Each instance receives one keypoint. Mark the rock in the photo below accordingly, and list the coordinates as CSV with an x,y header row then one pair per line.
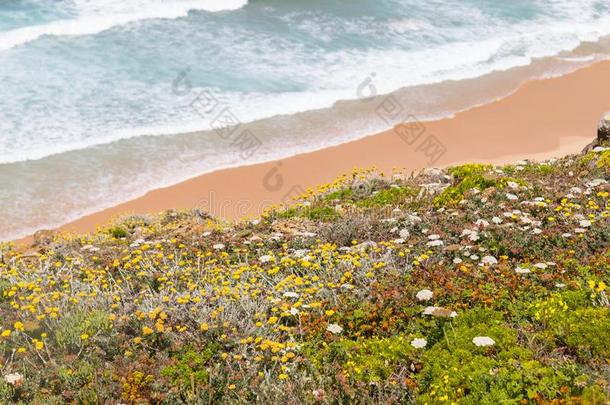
x,y
436,175
43,237
603,130
603,134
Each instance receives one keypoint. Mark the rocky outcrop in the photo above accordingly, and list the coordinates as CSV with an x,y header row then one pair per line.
x,y
603,131
44,237
603,134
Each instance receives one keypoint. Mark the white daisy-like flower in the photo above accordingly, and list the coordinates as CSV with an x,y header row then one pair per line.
x,y
522,270
434,237
430,310
489,260
13,378
424,295
560,285
541,265
255,221
219,246
334,328
566,235
511,197
294,311
457,260
513,185
496,220
584,223
536,231
483,341
265,258
472,235
436,242
291,294
206,233
404,233
482,223
580,230
419,343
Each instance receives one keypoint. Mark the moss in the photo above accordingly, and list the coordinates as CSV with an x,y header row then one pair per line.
x,y
389,196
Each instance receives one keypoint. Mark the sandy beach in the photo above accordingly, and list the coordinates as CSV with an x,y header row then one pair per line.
x,y
543,119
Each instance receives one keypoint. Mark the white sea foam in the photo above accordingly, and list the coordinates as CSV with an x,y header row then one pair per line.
x,y
458,61
100,15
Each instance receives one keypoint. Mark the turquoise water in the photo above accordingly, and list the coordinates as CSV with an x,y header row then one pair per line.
x,y
87,84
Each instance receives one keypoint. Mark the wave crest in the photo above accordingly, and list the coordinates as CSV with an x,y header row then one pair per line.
x,y
110,13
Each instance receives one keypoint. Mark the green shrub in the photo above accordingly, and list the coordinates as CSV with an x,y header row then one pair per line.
x,y
189,370
388,196
118,232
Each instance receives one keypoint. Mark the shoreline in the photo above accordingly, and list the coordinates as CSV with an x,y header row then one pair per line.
x,y
544,118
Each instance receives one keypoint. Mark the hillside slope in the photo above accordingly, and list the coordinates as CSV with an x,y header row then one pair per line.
x,y
477,284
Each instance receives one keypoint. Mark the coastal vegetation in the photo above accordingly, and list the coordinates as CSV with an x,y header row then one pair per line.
x,y
478,284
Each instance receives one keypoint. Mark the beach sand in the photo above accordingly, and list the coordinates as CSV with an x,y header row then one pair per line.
x,y
543,119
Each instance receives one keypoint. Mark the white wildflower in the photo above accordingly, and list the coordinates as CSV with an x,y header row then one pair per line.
x,y
435,242
334,328
13,378
541,266
483,341
576,190
424,295
430,310
522,270
419,343
489,260
291,294
482,223
585,223
404,233
511,197
457,260
265,258
496,220
219,246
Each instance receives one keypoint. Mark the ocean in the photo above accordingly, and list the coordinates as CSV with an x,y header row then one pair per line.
x,y
104,100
